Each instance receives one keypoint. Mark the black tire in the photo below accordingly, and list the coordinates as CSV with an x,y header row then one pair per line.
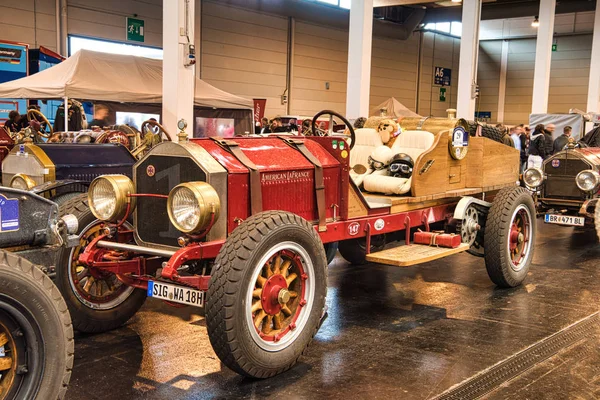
x,y
510,205
63,198
32,305
89,318
355,250
487,131
330,251
230,320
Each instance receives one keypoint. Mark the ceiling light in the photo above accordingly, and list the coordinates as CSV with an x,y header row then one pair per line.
x,y
536,22
457,1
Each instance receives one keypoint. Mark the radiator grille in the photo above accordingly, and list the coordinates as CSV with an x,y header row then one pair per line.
x,y
152,220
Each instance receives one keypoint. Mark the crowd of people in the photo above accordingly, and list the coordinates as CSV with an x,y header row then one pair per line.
x,y
535,146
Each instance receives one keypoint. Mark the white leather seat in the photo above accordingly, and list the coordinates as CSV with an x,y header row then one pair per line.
x,y
367,140
413,143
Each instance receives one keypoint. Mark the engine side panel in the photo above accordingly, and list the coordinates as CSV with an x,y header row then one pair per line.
x,y
287,178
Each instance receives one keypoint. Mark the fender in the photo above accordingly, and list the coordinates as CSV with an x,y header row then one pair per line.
x,y
464,203
46,187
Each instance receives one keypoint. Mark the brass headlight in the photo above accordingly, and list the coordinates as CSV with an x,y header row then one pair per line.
x,y
588,180
191,206
108,199
533,177
22,181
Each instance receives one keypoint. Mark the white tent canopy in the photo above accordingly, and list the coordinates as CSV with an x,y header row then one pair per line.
x,y
90,75
393,109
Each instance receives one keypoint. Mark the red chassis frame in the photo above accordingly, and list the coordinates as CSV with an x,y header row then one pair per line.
x,y
123,267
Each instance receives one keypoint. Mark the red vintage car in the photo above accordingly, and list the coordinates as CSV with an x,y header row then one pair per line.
x,y
239,227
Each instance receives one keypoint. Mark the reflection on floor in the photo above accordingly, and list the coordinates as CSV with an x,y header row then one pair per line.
x,y
409,333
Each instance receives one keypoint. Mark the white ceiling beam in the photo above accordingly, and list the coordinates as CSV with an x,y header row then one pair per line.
x,y
386,3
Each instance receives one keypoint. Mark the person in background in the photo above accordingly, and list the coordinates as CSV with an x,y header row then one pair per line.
x,y
515,135
293,126
537,147
360,123
526,132
549,133
100,116
13,124
277,126
506,139
561,141
264,126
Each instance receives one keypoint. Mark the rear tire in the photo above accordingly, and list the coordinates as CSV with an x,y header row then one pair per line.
x,y
331,251
267,293
355,252
91,314
32,305
510,236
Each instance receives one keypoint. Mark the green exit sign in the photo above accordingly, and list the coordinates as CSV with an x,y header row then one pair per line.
x,y
135,29
554,47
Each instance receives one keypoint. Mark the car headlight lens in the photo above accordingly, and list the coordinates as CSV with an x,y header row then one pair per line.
x,y
533,177
193,206
587,180
22,181
108,197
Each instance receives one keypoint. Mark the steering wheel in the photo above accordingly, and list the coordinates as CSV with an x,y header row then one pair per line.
x,y
44,123
329,132
147,127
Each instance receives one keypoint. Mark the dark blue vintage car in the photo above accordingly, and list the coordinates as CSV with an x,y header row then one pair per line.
x,y
61,171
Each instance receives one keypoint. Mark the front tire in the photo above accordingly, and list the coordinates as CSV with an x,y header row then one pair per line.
x,y
509,237
36,335
98,301
267,294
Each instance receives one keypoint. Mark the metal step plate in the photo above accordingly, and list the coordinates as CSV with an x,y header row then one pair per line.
x,y
412,254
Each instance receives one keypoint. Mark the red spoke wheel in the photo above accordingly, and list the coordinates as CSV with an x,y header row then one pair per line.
x,y
267,294
98,301
509,237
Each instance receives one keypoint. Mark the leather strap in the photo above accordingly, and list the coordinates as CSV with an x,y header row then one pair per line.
x,y
319,181
255,186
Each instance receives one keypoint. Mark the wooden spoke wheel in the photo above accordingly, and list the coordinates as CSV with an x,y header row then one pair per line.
x,y
95,288
97,300
46,129
267,293
278,296
36,335
8,357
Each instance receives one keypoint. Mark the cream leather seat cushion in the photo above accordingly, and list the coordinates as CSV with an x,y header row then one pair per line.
x,y
413,143
367,140
386,184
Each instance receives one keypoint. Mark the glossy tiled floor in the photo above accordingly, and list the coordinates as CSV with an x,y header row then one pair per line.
x,y
399,333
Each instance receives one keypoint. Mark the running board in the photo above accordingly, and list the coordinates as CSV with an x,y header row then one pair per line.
x,y
412,254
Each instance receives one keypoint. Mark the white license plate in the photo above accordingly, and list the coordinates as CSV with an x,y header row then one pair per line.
x,y
563,220
175,293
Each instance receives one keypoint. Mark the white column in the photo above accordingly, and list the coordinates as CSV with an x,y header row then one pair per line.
x,y
359,59
594,84
502,84
178,79
543,57
469,52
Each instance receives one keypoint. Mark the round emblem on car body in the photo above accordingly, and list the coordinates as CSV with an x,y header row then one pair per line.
x,y
150,170
555,163
353,228
379,224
